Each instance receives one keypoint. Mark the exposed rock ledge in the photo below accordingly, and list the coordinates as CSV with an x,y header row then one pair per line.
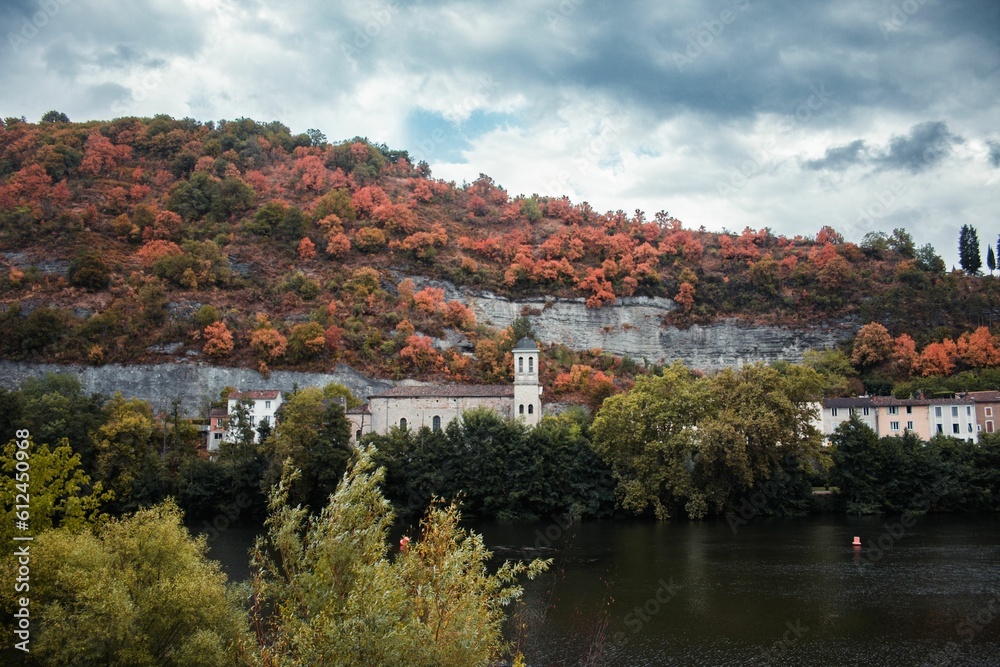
x,y
193,384
633,326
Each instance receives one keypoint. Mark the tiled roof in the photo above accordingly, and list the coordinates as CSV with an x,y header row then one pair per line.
x,y
449,391
218,412
985,396
889,401
256,395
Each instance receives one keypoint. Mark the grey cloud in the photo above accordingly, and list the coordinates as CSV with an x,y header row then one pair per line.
x,y
841,157
994,156
924,147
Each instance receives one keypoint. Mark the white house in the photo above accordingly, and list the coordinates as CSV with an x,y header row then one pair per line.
x,y
261,404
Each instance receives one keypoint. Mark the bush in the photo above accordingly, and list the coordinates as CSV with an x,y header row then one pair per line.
x,y
89,271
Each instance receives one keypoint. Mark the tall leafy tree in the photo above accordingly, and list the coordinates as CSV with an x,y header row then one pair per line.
x,y
314,433
327,592
969,257
676,441
140,591
991,260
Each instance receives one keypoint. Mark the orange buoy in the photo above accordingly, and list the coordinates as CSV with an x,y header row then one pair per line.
x,y
857,541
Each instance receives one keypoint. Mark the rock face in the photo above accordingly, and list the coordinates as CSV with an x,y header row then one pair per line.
x,y
193,384
632,327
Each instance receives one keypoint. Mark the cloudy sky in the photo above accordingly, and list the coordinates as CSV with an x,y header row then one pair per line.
x,y
788,114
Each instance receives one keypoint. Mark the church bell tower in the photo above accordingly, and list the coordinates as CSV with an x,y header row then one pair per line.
x,y
527,391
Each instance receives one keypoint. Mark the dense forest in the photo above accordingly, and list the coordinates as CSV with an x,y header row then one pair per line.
x,y
254,246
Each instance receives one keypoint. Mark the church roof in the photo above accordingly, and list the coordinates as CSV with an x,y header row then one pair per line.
x,y
449,391
526,344
254,395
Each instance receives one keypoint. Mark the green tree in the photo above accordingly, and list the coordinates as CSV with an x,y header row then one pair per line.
x,y
928,260
126,454
835,368
314,434
55,117
139,592
901,242
54,407
59,490
991,260
89,270
857,471
335,390
968,250
338,598
702,443
648,437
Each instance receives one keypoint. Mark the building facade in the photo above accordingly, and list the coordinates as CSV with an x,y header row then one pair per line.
x,y
434,406
925,418
261,407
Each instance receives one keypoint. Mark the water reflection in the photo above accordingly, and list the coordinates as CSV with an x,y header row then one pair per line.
x,y
778,592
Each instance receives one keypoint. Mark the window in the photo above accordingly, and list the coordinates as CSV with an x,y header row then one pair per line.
x,y
937,411
954,411
940,428
520,409
217,436
909,409
989,426
402,423
970,427
850,411
955,429
531,408
267,405
866,412
894,426
968,410
833,411
436,423
893,410
531,364
909,426
989,412
357,434
251,420
520,364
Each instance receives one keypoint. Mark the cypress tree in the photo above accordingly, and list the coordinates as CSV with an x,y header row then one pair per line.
x,y
991,260
968,250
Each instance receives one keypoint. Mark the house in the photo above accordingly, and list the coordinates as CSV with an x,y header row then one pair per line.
x,y
925,418
955,417
434,406
262,406
987,405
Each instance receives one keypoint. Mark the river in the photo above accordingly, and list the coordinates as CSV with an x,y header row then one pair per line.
x,y
781,592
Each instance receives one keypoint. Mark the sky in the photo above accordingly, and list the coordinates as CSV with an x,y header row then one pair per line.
x,y
788,114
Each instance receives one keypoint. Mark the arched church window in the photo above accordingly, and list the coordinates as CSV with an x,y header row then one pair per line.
x,y
531,364
520,409
402,423
520,364
531,409
436,423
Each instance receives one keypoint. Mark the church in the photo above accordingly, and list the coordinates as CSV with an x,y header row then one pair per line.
x,y
434,406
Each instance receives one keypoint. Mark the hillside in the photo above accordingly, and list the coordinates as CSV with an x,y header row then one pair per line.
x,y
141,240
